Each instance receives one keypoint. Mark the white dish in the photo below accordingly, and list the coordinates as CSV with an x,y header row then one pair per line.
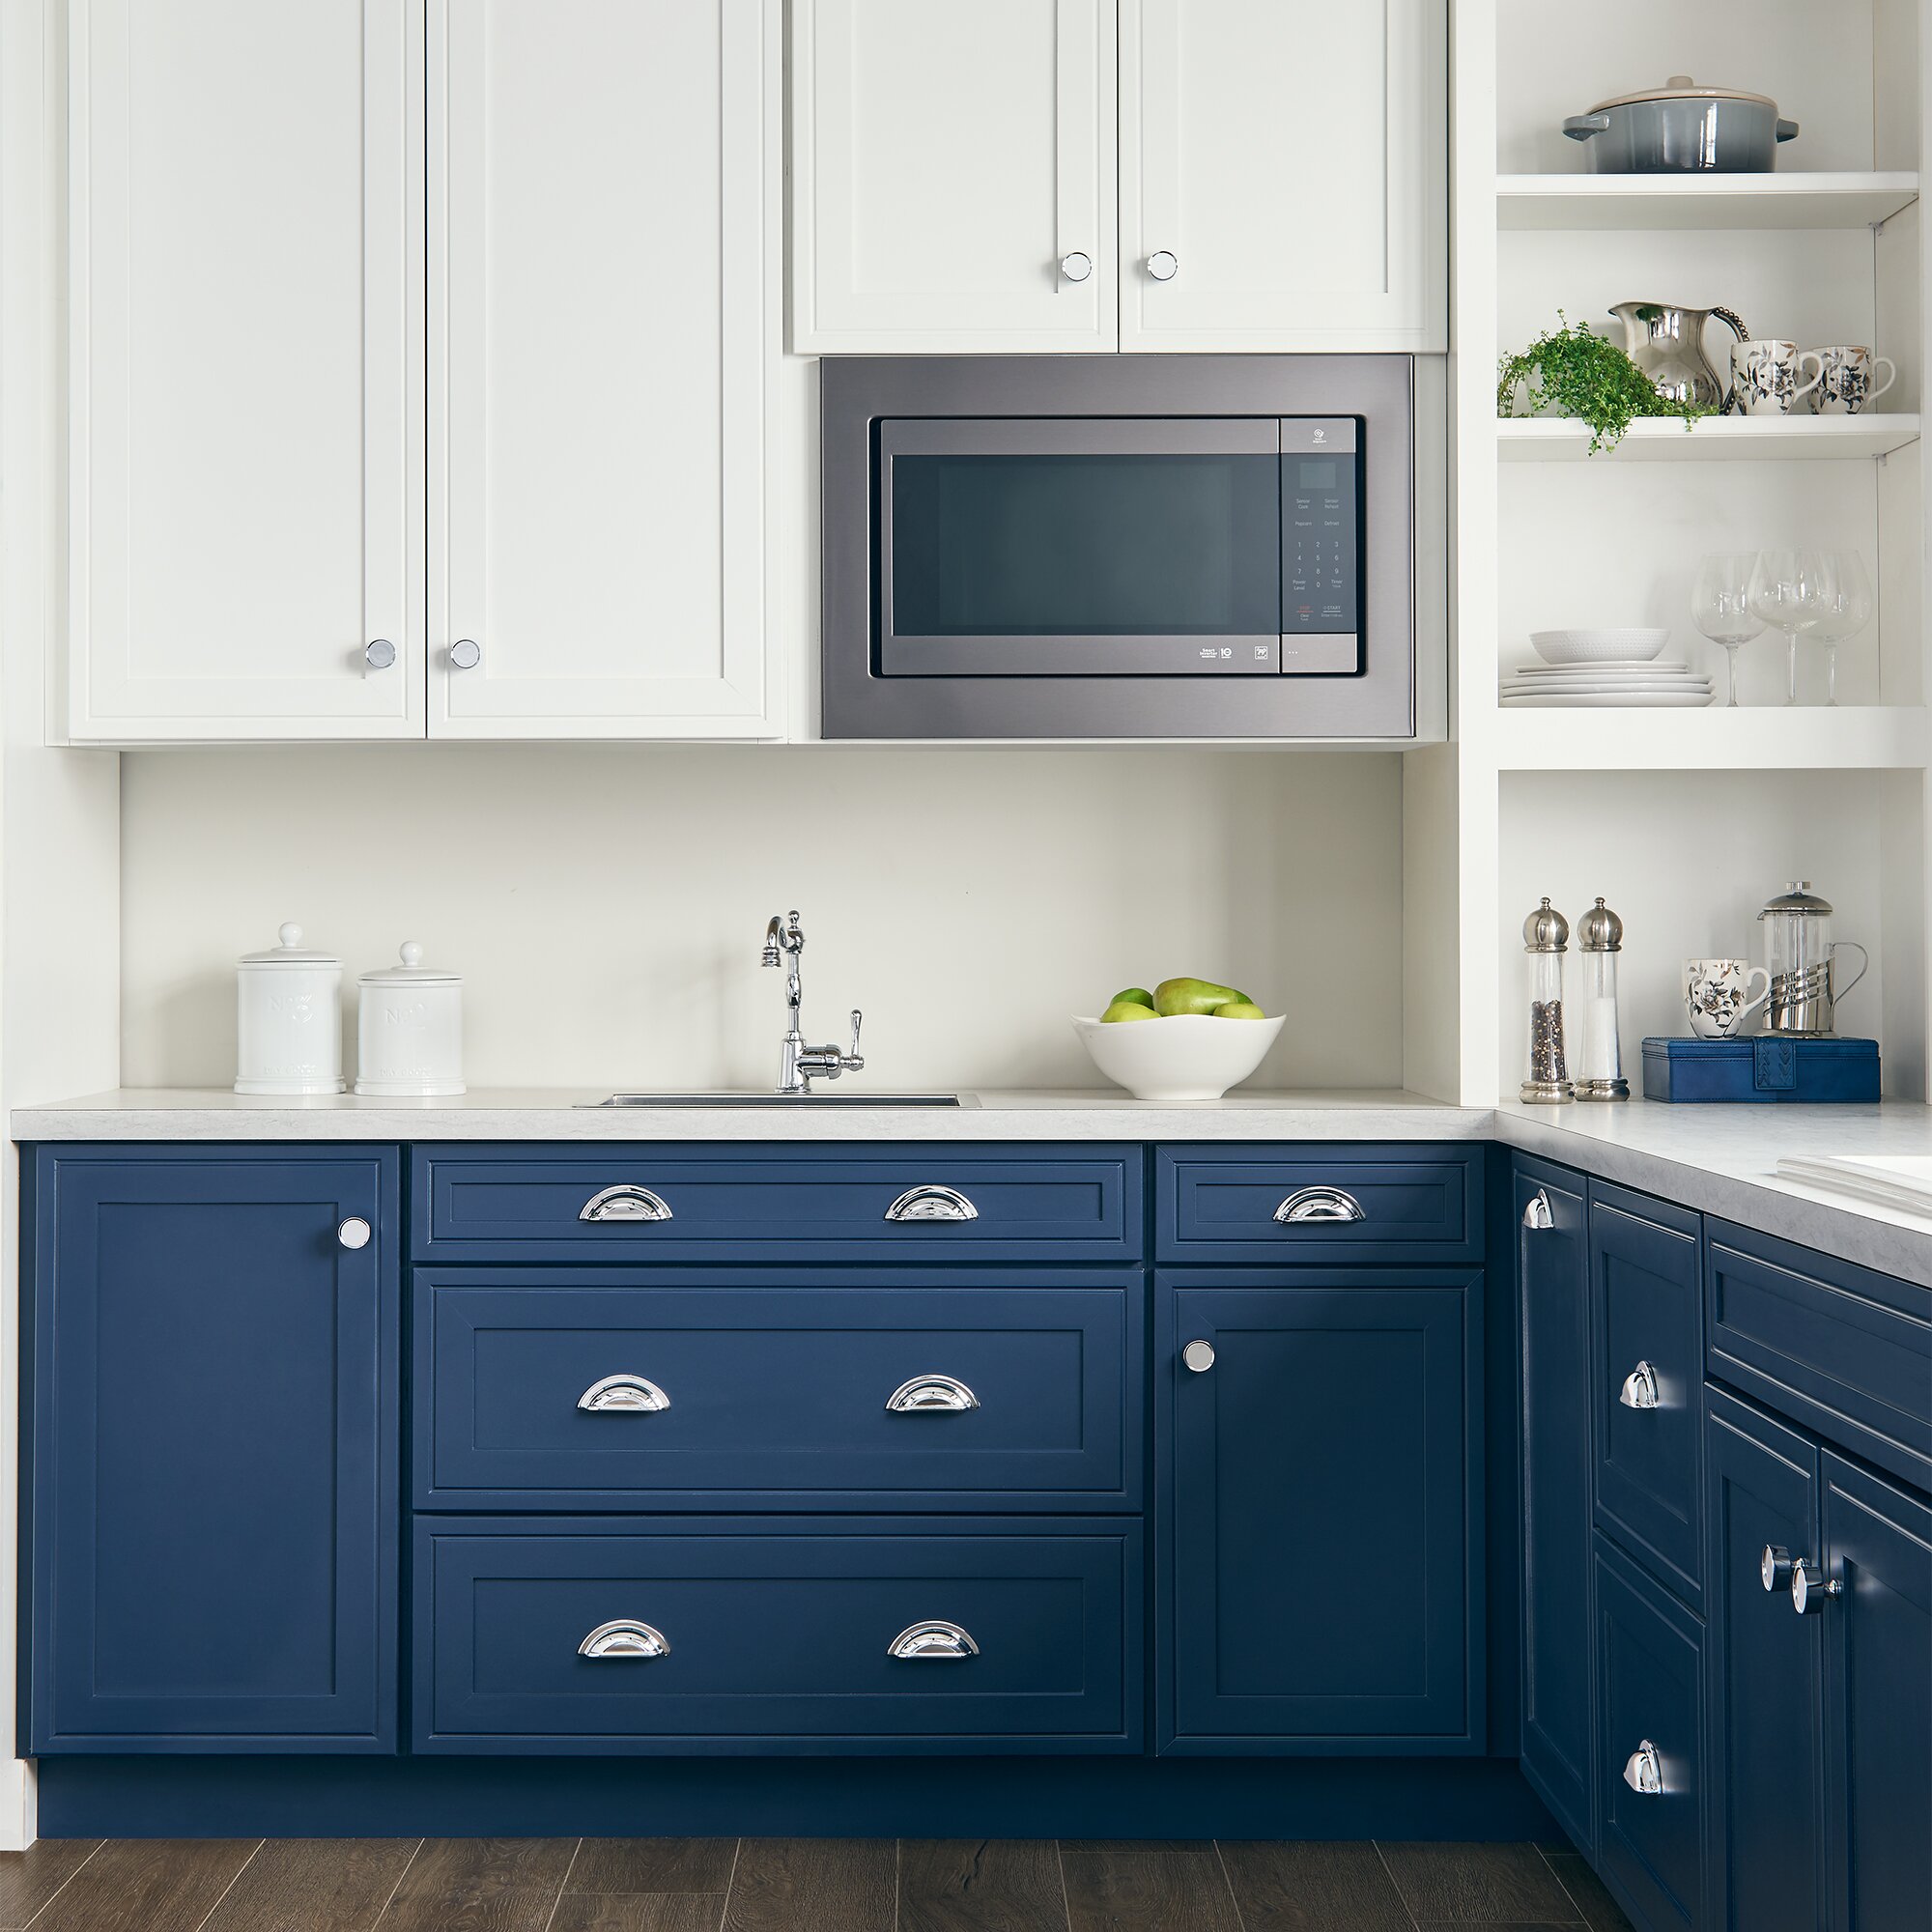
x,y
1631,645
1586,686
1564,673
1190,1057
1635,701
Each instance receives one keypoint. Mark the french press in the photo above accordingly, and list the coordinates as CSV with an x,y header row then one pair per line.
x,y
1799,952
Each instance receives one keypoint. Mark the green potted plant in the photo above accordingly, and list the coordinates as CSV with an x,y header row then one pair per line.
x,y
1571,372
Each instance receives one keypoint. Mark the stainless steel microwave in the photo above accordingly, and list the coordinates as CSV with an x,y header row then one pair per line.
x,y
1117,546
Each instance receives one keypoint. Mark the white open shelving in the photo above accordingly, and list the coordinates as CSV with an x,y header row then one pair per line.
x,y
1755,738
1711,440
1842,200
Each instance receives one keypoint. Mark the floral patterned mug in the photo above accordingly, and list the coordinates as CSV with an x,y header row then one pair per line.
x,y
1717,992
1767,375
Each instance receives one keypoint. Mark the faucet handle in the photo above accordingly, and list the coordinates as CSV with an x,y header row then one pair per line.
x,y
854,1060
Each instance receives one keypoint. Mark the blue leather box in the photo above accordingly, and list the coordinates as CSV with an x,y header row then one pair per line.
x,y
1768,1068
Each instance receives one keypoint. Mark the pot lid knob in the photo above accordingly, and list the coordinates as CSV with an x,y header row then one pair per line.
x,y
1798,897
411,954
1546,929
1682,80
1600,930
289,935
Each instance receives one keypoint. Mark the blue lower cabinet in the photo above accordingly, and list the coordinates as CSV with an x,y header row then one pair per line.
x,y
1650,1768
1877,1558
974,1389
772,1634
1550,1218
212,1412
1766,1675
1318,1460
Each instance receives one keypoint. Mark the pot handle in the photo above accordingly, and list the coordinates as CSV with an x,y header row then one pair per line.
x,y
1581,127
1787,129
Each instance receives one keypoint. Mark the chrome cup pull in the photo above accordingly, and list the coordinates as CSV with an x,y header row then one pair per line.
x,y
938,1640
1320,1204
1774,1567
624,1203
1811,1588
1537,1215
931,1202
624,1394
930,1392
1644,1770
1639,1389
626,1637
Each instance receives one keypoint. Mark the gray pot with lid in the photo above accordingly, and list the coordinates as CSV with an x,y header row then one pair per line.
x,y
1682,129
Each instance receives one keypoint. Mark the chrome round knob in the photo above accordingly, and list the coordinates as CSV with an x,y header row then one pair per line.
x,y
465,653
1163,266
1076,266
1810,1587
1198,1356
380,654
1774,1567
353,1233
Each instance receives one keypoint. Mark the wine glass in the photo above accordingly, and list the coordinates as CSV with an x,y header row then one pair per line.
x,y
1721,605
1843,609
1783,591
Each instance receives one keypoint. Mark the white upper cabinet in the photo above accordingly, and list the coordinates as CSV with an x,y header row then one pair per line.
x,y
953,175
602,303
244,369
1284,175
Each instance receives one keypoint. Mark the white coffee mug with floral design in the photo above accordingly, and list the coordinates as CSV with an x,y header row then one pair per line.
x,y
1845,380
1717,995
1765,376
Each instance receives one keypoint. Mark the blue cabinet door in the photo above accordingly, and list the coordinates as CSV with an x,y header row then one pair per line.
x,y
1319,1449
1554,1282
1765,1675
214,1427
1647,1382
1878,1701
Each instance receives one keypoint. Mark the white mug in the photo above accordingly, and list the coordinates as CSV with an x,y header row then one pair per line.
x,y
1765,375
1717,995
1845,380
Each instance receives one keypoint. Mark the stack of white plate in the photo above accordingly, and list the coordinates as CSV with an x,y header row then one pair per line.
x,y
1604,668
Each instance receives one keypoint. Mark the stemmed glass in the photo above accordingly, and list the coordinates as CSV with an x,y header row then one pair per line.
x,y
1783,591
1843,609
1721,605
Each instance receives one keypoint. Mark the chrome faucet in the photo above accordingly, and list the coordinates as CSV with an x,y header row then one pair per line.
x,y
796,1061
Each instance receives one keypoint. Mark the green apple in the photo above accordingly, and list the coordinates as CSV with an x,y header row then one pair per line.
x,y
1127,1009
1240,1010
1173,997
1132,996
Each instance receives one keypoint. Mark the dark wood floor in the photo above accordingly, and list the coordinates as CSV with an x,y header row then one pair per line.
x,y
792,1885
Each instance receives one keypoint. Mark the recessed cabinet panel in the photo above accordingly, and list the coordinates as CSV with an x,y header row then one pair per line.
x,y
601,301
246,364
1284,180
953,175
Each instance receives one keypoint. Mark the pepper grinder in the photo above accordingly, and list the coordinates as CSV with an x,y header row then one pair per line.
x,y
1545,938
1600,1067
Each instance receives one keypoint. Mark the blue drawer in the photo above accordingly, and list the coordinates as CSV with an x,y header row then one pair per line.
x,y
1284,1204
778,1635
767,1390
1842,1350
1647,1384
569,1204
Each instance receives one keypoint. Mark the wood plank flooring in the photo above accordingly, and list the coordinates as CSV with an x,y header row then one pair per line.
x,y
794,1885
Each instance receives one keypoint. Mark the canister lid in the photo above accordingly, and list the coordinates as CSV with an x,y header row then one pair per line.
x,y
289,953
411,972
1681,87
1600,930
1545,931
1798,897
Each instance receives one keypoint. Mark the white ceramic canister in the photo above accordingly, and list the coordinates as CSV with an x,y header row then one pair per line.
x,y
288,1019
409,1032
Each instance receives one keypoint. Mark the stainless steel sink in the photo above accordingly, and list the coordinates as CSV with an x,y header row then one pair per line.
x,y
741,1098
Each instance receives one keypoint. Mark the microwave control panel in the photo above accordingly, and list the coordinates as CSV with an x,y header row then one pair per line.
x,y
1320,545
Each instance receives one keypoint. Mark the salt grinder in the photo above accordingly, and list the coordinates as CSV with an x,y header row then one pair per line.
x,y
1600,1067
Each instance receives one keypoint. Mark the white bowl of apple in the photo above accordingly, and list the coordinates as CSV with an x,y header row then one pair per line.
x,y
1188,1039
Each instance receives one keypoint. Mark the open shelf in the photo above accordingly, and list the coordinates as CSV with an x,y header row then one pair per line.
x,y
1711,440
1702,201
1874,737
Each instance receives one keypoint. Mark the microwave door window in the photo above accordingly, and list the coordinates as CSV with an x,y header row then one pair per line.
x,y
1061,564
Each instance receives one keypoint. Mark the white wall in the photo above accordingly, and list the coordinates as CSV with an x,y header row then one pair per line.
x,y
607,904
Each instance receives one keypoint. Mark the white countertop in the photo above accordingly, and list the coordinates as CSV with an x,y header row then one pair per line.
x,y
1720,1160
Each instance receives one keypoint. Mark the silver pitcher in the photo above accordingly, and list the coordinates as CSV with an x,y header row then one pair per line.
x,y
1668,344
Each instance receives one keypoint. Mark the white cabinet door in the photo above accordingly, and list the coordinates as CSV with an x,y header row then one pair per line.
x,y
244,369
953,175
602,299
1284,168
